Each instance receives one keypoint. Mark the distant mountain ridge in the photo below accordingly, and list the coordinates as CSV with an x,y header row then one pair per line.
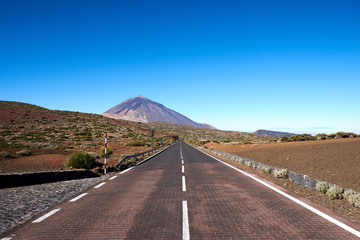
x,y
269,133
144,110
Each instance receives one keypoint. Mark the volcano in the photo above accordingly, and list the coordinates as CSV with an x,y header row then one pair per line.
x,y
144,110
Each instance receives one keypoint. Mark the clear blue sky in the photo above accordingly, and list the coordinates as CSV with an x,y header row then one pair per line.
x,y
237,65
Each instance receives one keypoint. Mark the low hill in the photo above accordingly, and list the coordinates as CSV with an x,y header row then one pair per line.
x,y
269,133
201,135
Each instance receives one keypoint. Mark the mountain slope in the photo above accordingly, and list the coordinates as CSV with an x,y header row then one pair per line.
x,y
144,110
24,125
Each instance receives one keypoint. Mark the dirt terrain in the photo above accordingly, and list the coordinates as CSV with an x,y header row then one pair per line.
x,y
51,159
335,161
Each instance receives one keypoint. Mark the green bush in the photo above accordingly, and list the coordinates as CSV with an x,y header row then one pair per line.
x,y
322,187
332,136
81,160
321,136
3,143
335,192
302,137
345,134
281,173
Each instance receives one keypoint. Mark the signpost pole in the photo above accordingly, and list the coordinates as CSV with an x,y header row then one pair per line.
x,y
105,153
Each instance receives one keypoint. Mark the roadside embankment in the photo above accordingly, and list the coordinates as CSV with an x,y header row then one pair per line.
x,y
19,204
26,179
345,203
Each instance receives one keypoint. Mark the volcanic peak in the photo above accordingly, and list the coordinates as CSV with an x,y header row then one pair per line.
x,y
142,109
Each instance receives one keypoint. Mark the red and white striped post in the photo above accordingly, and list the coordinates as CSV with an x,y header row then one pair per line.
x,y
105,152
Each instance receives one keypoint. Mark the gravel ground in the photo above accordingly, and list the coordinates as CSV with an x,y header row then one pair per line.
x,y
22,203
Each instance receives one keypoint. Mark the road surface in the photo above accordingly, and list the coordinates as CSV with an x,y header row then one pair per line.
x,y
181,193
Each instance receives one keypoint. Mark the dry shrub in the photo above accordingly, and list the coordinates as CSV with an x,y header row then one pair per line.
x,y
348,193
355,200
281,173
335,192
322,187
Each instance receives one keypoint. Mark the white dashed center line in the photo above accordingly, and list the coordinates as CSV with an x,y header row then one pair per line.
x,y
182,169
183,184
186,231
78,197
46,215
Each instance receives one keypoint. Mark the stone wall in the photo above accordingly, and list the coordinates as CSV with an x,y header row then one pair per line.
x,y
26,179
297,178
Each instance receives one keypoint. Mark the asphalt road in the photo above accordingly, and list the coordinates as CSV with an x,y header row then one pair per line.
x,y
180,194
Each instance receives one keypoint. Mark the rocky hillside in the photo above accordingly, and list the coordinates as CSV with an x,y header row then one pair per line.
x,y
142,109
25,125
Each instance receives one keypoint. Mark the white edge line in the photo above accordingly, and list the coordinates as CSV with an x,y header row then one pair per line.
x,y
186,231
99,185
8,238
314,210
46,215
78,197
183,184
112,178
